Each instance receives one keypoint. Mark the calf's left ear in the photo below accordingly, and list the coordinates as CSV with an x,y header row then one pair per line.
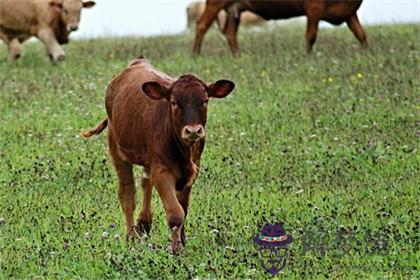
x,y
155,90
88,4
220,88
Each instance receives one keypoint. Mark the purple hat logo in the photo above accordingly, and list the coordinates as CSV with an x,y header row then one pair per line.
x,y
273,241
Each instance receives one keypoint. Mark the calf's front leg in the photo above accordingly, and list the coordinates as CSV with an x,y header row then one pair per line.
x,y
165,185
54,49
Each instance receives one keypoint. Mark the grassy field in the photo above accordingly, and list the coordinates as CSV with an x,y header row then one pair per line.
x,y
328,144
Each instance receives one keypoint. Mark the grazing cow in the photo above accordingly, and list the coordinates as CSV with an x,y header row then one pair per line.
x,y
51,21
157,122
332,11
196,9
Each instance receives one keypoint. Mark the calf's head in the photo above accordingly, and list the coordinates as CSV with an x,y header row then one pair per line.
x,y
70,11
187,98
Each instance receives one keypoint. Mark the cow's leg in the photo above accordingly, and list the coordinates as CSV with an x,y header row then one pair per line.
x,y
165,185
314,16
54,49
14,49
4,38
184,198
144,223
221,20
231,30
357,29
8,41
210,13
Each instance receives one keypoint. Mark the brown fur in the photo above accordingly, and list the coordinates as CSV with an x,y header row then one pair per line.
x,y
148,112
332,11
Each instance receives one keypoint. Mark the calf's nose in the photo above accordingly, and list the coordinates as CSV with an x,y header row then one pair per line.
x,y
193,132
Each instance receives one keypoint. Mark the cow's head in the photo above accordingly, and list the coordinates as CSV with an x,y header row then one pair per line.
x,y
70,11
187,98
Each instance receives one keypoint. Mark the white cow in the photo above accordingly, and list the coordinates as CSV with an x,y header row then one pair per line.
x,y
51,21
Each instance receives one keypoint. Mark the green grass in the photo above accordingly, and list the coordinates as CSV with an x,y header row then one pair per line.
x,y
328,144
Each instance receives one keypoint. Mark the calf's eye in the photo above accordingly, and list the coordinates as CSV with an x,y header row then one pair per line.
x,y
173,103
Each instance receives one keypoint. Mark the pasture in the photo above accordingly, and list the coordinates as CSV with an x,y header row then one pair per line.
x,y
328,144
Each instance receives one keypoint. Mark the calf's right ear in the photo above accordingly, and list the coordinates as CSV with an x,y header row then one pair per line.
x,y
220,89
155,90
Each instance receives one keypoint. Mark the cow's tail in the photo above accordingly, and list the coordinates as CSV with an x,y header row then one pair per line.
x,y
97,130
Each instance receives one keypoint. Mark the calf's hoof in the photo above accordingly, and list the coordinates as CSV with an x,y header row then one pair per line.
x,y
133,235
184,237
144,227
176,247
177,244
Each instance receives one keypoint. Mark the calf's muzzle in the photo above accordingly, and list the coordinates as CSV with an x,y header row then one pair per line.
x,y
192,133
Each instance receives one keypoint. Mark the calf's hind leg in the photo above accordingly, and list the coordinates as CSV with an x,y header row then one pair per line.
x,y
126,188
184,198
357,29
144,223
126,195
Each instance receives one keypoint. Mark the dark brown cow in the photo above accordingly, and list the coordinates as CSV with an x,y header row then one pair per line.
x,y
157,122
332,11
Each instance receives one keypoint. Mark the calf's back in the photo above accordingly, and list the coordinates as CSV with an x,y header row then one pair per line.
x,y
135,120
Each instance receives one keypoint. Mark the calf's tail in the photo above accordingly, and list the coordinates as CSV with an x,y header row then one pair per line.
x,y
97,130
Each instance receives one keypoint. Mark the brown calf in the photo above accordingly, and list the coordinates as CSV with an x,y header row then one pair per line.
x,y
332,11
157,122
